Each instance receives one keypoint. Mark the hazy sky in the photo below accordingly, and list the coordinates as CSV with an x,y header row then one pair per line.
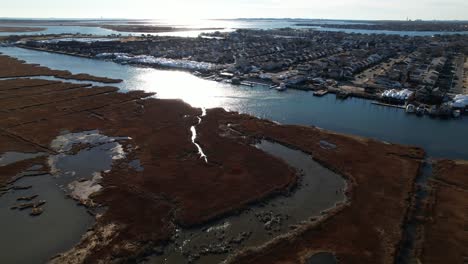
x,y
192,9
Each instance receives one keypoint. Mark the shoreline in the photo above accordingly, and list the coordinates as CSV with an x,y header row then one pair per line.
x,y
256,167
443,212
331,90
262,254
342,92
152,29
397,26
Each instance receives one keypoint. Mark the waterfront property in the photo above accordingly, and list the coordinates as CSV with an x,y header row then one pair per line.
x,y
353,116
367,66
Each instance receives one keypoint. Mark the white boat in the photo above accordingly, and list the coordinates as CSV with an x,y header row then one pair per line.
x,y
247,84
456,113
281,87
410,109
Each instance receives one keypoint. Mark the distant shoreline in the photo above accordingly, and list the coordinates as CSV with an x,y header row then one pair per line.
x,y
397,26
151,29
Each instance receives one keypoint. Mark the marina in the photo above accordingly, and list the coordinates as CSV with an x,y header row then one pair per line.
x,y
320,93
410,71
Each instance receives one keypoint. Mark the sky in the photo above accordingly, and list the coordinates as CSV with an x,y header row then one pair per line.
x,y
196,9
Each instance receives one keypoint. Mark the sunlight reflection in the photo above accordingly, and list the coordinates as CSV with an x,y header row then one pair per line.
x,y
182,85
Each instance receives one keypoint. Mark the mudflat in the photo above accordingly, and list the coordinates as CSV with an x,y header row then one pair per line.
x,y
12,67
176,187
445,230
368,228
21,29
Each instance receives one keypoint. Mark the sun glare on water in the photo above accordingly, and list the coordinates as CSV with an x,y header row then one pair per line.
x,y
182,85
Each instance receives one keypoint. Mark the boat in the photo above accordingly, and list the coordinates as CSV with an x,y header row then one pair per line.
x,y
445,111
433,111
236,81
456,113
410,109
281,87
342,95
247,84
320,92
420,110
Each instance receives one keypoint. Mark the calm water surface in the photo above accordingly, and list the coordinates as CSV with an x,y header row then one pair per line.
x,y
440,138
25,239
228,25
63,222
322,258
62,30
390,32
319,189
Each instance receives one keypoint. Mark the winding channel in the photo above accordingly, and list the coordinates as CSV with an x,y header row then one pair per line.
x,y
194,136
318,190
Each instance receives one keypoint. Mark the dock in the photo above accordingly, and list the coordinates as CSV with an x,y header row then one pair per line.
x,y
343,95
389,105
320,93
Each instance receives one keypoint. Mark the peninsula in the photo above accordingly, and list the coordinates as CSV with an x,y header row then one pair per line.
x,y
21,29
151,29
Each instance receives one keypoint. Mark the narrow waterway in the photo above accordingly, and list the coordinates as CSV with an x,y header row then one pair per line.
x,y
193,129
322,258
318,189
413,225
12,157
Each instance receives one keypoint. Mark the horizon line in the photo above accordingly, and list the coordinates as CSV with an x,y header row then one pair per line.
x,y
236,18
